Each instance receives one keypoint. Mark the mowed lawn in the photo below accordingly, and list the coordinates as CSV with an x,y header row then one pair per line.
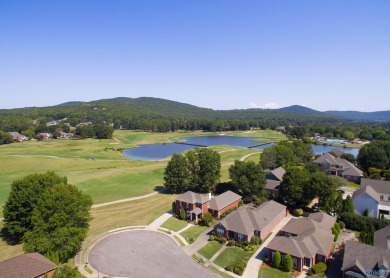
x,y
232,256
192,233
210,249
266,272
174,224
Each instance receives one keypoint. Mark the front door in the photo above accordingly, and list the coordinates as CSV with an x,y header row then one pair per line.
x,y
307,262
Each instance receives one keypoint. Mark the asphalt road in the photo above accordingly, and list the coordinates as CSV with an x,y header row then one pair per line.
x,y
143,254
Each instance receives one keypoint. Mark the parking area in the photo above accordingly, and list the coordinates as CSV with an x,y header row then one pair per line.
x,y
143,254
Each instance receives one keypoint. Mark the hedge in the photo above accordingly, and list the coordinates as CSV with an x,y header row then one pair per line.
x,y
319,268
362,223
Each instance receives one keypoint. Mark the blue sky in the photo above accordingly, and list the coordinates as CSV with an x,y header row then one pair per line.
x,y
219,54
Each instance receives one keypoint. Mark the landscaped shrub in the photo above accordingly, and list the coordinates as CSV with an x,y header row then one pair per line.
x,y
207,219
183,214
319,268
230,267
337,227
211,238
342,225
299,212
256,240
220,239
288,263
174,208
240,268
277,259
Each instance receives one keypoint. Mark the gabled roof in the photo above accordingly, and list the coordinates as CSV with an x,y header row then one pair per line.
x,y
222,201
193,198
336,152
326,158
279,173
246,220
365,257
26,265
313,236
374,188
271,184
382,238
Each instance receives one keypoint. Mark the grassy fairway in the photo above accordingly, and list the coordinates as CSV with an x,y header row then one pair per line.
x,y
135,213
111,175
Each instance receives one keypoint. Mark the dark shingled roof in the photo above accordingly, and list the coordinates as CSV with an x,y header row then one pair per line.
x,y
222,201
348,168
26,266
246,220
193,198
279,173
313,236
271,184
382,238
365,257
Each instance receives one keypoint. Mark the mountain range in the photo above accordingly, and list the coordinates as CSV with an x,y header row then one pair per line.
x,y
156,107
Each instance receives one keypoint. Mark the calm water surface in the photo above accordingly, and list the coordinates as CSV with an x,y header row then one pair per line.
x,y
161,151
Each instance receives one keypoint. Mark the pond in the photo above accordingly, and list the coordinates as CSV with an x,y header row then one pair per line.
x,y
161,151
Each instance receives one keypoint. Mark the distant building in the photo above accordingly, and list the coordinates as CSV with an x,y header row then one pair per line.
x,y
31,265
17,137
66,135
45,135
373,195
274,179
337,166
52,123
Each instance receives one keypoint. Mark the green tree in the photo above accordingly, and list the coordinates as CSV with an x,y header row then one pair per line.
x,y
348,205
60,222
288,263
55,274
366,212
320,185
207,219
277,259
248,180
372,155
45,276
293,187
23,198
348,156
103,131
176,176
183,214
5,138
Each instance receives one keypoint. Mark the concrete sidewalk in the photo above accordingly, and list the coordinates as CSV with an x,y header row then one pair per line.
x,y
253,266
159,221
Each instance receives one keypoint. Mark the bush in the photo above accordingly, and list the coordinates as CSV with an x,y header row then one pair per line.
x,y
183,214
342,225
256,240
299,212
319,268
277,259
240,268
360,223
174,208
229,267
211,238
337,227
207,219
288,263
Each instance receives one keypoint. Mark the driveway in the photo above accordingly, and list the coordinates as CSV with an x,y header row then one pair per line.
x,y
143,254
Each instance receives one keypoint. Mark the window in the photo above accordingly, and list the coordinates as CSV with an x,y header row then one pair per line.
x,y
240,237
295,262
288,235
220,232
273,256
388,198
382,197
307,262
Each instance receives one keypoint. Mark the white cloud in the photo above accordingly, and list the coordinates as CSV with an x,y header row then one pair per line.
x,y
270,105
253,104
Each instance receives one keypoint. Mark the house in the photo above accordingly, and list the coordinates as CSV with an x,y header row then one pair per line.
x,y
16,136
307,240
382,237
336,152
337,166
194,204
245,222
362,260
224,202
32,265
45,135
274,179
373,195
52,123
66,135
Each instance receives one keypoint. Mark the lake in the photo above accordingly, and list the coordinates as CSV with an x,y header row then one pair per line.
x,y
161,151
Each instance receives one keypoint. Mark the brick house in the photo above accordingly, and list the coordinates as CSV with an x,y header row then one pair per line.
x,y
32,265
194,204
337,166
244,223
307,240
224,202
